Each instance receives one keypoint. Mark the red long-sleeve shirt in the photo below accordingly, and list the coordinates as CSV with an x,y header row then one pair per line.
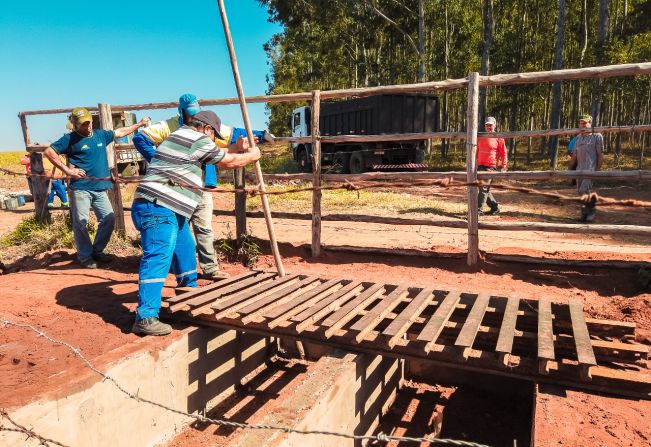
x,y
489,150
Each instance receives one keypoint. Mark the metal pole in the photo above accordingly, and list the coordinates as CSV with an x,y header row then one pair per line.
x,y
249,134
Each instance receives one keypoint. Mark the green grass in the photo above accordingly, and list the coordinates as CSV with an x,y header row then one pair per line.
x,y
11,160
29,237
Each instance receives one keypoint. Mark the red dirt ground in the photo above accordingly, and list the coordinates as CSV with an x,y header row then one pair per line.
x,y
85,306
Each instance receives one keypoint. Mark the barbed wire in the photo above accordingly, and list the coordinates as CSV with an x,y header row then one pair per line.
x,y
17,428
591,199
380,437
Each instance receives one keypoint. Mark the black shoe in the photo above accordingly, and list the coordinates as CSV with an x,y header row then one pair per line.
x,y
493,212
103,257
480,213
151,326
89,263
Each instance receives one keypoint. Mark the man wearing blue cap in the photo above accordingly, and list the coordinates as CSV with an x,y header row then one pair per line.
x,y
147,140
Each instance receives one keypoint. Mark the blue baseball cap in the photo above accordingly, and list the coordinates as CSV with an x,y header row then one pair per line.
x,y
189,104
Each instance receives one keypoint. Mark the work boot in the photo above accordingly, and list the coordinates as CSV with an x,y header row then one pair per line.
x,y
150,326
215,275
493,211
103,257
89,263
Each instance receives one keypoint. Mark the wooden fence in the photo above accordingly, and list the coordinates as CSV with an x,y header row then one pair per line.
x,y
473,83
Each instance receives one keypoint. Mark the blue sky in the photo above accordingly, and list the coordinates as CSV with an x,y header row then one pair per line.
x,y
68,54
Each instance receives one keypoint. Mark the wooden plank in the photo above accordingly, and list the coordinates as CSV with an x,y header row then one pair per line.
x,y
310,316
296,306
285,317
401,323
507,329
339,318
584,352
215,294
438,320
545,335
275,298
213,286
258,291
115,193
368,322
244,297
469,330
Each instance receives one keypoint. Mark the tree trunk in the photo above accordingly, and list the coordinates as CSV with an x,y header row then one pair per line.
x,y
600,50
556,88
489,28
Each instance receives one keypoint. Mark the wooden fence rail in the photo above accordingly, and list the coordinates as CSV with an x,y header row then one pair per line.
x,y
472,84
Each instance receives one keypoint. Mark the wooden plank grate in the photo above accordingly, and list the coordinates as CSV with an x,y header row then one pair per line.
x,y
536,340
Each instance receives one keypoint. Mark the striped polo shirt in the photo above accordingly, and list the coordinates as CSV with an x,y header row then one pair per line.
x,y
178,159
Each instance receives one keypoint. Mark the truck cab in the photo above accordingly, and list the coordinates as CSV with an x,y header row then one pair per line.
x,y
300,125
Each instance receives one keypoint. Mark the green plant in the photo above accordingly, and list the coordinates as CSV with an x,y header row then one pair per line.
x,y
30,237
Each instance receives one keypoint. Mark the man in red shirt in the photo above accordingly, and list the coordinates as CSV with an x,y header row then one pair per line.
x,y
489,151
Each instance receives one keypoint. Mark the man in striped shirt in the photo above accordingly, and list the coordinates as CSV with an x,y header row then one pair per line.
x,y
164,202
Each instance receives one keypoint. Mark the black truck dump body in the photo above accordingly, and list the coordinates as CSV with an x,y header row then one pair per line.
x,y
380,114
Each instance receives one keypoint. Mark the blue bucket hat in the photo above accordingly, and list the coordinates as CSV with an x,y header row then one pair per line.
x,y
189,104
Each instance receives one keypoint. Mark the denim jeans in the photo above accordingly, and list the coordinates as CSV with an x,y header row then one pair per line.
x,y
202,226
83,201
166,242
58,187
485,196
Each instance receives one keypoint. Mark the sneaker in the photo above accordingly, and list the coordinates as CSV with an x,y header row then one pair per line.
x,y
65,204
493,212
269,137
151,326
480,213
215,275
103,257
50,205
89,263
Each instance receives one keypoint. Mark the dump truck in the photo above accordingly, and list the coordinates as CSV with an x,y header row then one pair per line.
x,y
129,161
373,115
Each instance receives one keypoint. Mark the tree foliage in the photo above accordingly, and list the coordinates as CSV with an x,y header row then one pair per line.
x,y
330,44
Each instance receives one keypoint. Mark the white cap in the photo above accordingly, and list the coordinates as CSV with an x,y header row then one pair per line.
x,y
491,120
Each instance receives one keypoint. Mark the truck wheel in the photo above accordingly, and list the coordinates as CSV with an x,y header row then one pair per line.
x,y
357,163
341,163
304,161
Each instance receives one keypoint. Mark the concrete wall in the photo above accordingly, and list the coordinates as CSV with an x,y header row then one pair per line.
x,y
191,374
343,392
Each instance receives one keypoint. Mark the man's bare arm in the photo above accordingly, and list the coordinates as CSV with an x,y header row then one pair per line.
x,y
124,131
53,156
239,160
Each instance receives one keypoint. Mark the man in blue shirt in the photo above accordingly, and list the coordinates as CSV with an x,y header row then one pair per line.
x,y
86,152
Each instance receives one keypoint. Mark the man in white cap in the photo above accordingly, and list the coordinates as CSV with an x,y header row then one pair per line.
x,y
489,151
587,156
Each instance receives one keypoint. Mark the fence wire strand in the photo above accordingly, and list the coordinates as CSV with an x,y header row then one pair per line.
x,y
591,199
380,437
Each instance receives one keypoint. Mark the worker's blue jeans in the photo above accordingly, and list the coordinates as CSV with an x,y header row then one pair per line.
x,y
58,187
83,201
166,242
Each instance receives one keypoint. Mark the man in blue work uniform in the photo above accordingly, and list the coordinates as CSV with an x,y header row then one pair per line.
x,y
146,141
85,149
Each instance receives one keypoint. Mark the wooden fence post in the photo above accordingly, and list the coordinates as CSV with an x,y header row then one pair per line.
x,y
240,205
471,168
115,195
40,187
316,169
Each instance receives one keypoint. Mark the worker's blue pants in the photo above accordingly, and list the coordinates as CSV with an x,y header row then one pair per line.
x,y
166,242
58,187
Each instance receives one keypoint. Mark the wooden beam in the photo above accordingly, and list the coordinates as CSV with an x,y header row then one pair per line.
x,y
471,166
115,194
316,172
40,188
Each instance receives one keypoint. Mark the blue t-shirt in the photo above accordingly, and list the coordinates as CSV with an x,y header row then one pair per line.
x,y
89,154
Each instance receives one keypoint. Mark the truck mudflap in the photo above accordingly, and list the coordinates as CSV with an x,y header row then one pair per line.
x,y
412,166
